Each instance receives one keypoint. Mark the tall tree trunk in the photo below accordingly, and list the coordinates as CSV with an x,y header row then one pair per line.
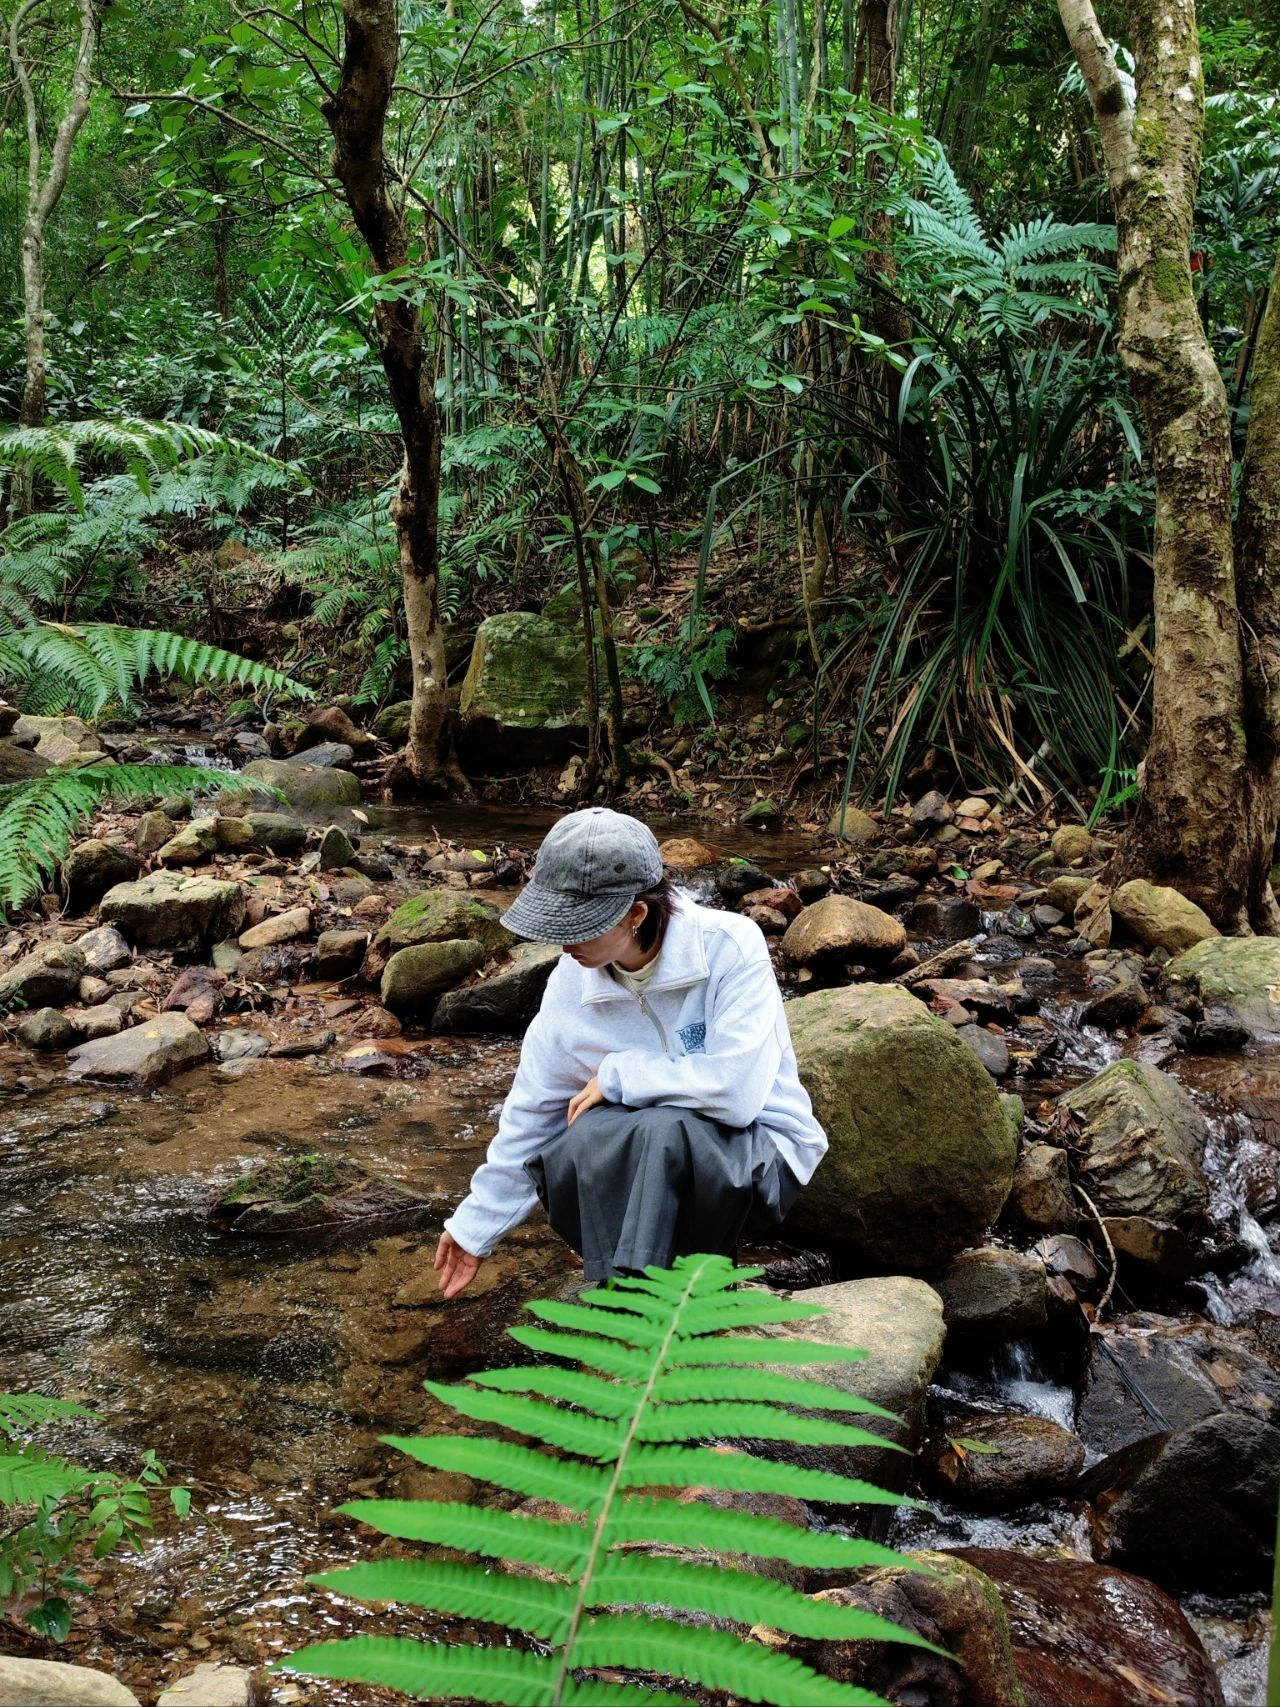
x,y
44,191
1199,821
356,115
880,25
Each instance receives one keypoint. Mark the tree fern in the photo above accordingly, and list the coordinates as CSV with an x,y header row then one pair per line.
x,y
39,818
653,1364
146,448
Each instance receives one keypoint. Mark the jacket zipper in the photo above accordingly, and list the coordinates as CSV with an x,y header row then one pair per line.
x,y
662,1036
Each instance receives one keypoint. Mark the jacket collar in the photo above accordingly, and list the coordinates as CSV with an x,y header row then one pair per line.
x,y
684,961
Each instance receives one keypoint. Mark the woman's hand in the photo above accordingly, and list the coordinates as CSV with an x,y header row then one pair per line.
x,y
587,1097
457,1268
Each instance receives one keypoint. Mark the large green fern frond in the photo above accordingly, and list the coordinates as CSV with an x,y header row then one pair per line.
x,y
40,818
667,1390
23,1413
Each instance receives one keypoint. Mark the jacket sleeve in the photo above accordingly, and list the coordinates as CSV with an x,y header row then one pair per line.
x,y
731,1081
534,1112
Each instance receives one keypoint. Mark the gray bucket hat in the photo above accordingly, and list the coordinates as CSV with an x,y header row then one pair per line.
x,y
589,870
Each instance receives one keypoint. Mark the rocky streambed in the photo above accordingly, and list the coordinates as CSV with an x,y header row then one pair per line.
x,y
1048,1213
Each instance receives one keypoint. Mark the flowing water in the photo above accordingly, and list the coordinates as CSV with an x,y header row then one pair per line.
x,y
265,1372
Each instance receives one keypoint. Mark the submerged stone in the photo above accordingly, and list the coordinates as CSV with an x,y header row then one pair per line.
x,y
314,1193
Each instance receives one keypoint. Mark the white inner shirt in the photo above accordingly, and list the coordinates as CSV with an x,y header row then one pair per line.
x,y
637,982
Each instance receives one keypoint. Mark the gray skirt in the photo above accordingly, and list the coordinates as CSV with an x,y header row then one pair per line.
x,y
627,1187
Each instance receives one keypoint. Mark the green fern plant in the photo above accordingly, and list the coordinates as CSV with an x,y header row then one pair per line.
x,y
40,817
663,1365
55,1509
1019,278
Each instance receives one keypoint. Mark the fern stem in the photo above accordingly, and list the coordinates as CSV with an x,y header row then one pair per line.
x,y
644,1398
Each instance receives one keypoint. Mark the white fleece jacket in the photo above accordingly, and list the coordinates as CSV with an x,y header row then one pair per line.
x,y
710,1034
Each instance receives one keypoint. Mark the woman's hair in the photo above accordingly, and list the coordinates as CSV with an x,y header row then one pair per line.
x,y
661,902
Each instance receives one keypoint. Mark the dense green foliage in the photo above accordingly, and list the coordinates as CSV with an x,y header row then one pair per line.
x,y
57,1513
659,1366
872,352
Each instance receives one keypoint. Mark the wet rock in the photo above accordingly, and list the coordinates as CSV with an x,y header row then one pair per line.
x,y
1070,1259
276,1345
281,963
1041,1198
1087,1635
1140,1143
931,811
193,842
840,928
336,849
1239,976
211,1686
1149,1374
998,1293
739,877
684,853
922,1152
339,953
233,835
524,695
989,1048
280,927
1071,844
811,884
1117,1008
372,866
770,921
145,1055
153,831
953,1606
103,1021
47,977
49,1683
240,1043
1160,917
854,826
313,792
1065,891
166,910
993,1462
331,724
1195,1509
392,722
47,1029
308,1043
898,1322
445,915
1154,1245
104,949
197,993
414,976
311,1193
776,899
276,831
506,1001
325,755
94,866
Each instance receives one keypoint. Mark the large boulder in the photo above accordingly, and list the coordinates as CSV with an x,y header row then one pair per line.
x,y
167,910
327,755
319,794
1140,1143
922,1151
1087,1635
840,928
1238,976
94,866
524,696
445,915
49,1683
1148,1374
415,976
1160,917
54,738
146,1054
949,1603
47,977
503,1003
276,831
897,1321
1195,1509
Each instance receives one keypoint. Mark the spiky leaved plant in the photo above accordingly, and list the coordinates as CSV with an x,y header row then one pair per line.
x,y
663,1368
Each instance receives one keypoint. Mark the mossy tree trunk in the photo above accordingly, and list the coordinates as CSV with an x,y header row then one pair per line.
x,y
1205,822
356,114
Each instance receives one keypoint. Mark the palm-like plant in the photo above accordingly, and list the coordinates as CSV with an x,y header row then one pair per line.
x,y
659,1366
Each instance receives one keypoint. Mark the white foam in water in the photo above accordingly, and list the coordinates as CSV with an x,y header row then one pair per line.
x,y
1020,1381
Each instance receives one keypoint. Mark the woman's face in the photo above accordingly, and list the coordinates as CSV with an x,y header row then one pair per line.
x,y
613,944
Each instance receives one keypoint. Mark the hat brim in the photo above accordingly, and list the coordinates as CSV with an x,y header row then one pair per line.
x,y
551,915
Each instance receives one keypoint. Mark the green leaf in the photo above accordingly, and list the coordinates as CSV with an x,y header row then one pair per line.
x,y
983,1448
693,1467
593,1437
759,1385
694,1352
840,226
601,1398
598,1354
579,1487
181,1501
542,1609
580,1318
436,1673
558,1547
52,1618
635,1518
696,1421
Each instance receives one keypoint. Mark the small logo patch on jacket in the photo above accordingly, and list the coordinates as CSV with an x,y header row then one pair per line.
x,y
694,1038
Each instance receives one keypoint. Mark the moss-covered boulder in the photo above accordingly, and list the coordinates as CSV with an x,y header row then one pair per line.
x,y
524,696
1159,917
1238,975
319,794
313,1193
167,910
1140,1142
922,1151
414,977
445,915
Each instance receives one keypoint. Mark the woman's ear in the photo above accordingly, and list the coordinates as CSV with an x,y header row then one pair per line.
x,y
638,914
